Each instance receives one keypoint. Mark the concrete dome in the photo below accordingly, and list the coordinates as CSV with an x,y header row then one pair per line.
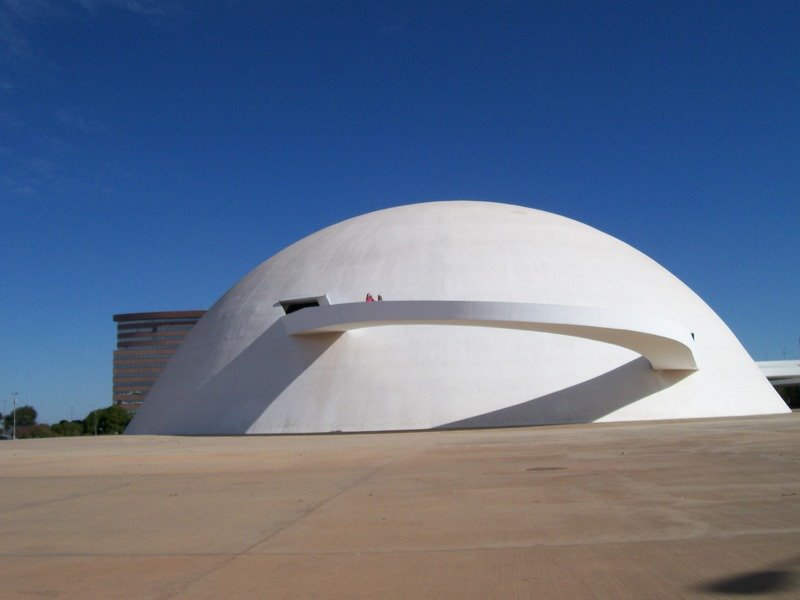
x,y
542,290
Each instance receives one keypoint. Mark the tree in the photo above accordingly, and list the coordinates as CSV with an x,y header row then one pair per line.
x,y
35,431
91,424
67,428
114,419
105,421
26,415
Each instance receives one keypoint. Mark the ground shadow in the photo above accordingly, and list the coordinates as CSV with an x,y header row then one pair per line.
x,y
777,578
584,402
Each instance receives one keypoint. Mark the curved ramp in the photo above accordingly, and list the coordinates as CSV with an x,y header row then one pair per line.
x,y
666,344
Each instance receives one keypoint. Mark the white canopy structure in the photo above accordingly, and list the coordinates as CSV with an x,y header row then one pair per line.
x,y
494,315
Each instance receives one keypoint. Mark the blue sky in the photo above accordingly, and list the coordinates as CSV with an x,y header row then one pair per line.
x,y
152,153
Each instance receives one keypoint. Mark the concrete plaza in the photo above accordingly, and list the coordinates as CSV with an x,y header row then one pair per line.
x,y
698,508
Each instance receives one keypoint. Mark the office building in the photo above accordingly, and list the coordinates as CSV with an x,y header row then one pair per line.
x,y
145,342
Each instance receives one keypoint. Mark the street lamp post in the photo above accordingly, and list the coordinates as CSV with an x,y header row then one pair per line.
x,y
14,413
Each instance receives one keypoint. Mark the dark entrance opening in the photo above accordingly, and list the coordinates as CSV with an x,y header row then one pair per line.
x,y
790,393
291,306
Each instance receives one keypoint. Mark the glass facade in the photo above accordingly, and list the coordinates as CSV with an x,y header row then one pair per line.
x,y
145,343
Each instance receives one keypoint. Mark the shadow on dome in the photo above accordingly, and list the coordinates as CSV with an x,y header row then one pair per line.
x,y
274,361
582,403
259,375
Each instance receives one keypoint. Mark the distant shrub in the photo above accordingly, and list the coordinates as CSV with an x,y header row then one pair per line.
x,y
67,428
35,431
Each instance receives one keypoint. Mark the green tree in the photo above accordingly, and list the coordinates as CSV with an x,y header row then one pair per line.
x,y
26,415
67,428
91,424
106,421
35,431
114,419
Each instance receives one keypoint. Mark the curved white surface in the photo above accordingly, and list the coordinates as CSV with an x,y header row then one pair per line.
x,y
240,371
666,345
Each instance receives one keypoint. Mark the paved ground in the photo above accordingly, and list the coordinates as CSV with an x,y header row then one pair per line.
x,y
642,510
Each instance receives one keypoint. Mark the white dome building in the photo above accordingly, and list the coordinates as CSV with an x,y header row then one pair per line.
x,y
493,315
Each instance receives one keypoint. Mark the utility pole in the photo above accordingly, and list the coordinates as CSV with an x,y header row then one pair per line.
x,y
14,413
